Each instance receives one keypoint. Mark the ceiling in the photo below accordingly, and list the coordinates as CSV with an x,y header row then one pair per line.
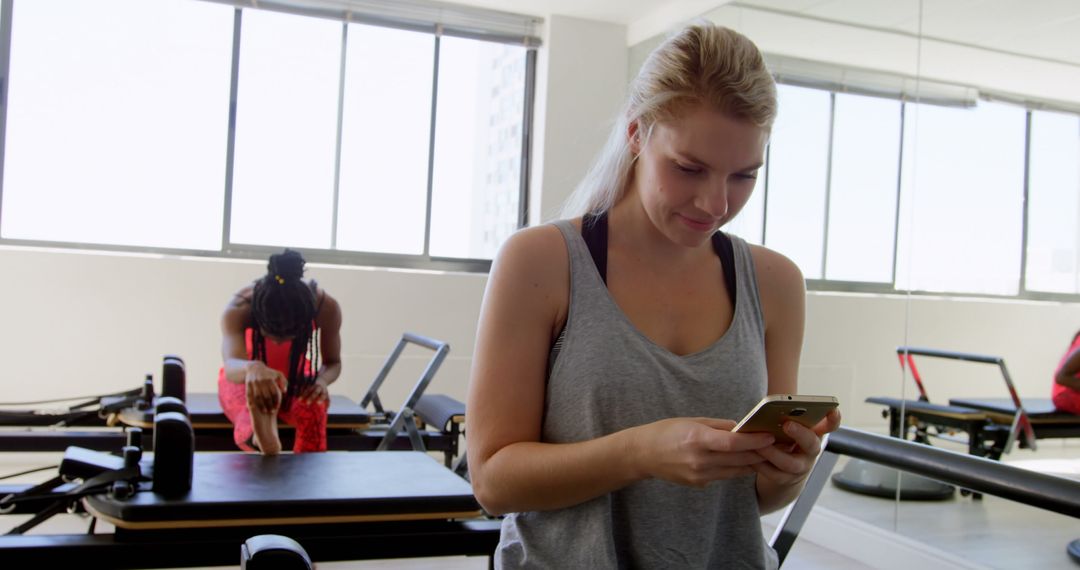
x,y
1046,29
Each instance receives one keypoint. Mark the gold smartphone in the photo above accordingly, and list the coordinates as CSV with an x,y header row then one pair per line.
x,y
772,411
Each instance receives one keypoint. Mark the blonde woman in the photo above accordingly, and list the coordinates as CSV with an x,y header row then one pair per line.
x,y
617,347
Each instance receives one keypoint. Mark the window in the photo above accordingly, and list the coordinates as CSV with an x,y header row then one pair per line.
x,y
477,147
286,130
386,126
868,193
116,123
192,125
961,217
798,168
862,190
1053,247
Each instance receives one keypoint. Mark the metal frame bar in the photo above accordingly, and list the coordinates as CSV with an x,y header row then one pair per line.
x,y
1021,425
5,81
526,137
230,145
828,187
404,417
1027,200
794,518
337,142
418,19
978,474
437,47
899,193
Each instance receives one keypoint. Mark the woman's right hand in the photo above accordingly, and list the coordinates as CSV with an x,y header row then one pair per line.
x,y
264,387
697,451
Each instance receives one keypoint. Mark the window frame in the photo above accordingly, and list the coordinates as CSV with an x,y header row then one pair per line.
x,y
467,23
889,288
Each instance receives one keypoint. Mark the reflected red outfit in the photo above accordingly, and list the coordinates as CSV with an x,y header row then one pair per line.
x,y
309,419
1066,399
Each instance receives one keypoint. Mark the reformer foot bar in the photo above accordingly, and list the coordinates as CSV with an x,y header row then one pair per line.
x,y
350,427
978,474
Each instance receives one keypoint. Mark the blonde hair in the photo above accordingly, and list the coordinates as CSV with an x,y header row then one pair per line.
x,y
702,64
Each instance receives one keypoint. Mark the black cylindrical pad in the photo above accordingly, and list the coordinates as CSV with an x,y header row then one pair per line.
x,y
166,404
174,378
174,453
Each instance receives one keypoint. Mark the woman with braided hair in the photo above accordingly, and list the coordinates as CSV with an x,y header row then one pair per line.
x,y
275,334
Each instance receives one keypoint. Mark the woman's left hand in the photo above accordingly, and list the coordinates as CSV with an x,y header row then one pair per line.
x,y
316,393
790,463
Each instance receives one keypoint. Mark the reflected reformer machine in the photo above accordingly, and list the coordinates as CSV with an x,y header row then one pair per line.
x,y
990,427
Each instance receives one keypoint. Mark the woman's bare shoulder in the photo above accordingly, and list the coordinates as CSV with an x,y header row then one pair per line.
x,y
537,254
773,265
242,298
780,282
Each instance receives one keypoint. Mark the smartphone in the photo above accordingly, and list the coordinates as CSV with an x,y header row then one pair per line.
x,y
772,411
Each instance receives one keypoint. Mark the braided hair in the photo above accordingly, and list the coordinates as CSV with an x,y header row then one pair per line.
x,y
283,305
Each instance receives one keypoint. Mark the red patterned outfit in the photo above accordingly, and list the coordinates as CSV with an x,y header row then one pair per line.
x,y
1066,399
309,419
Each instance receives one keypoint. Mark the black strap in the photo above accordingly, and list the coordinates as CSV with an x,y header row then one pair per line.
x,y
721,244
594,230
318,298
97,484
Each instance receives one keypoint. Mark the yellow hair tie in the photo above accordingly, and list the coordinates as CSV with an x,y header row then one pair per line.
x,y
280,279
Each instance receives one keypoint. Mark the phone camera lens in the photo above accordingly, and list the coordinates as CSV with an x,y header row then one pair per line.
x,y
798,412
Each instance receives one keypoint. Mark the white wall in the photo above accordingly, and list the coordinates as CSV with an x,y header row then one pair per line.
x,y
79,323
581,82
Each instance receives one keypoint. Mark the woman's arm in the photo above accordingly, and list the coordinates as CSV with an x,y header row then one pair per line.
x,y
329,322
1066,375
264,384
510,468
234,321
783,300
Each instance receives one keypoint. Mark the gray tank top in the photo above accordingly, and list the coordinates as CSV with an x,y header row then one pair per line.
x,y
608,377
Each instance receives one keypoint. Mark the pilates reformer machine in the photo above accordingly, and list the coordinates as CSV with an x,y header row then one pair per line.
x,y
424,422
175,507
990,427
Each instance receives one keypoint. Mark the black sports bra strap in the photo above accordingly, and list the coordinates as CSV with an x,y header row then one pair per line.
x,y
594,230
722,246
320,295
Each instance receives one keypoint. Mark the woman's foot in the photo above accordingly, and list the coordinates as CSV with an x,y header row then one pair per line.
x,y
266,433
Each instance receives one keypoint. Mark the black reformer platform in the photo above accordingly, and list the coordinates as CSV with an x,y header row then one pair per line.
x,y
425,422
179,508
